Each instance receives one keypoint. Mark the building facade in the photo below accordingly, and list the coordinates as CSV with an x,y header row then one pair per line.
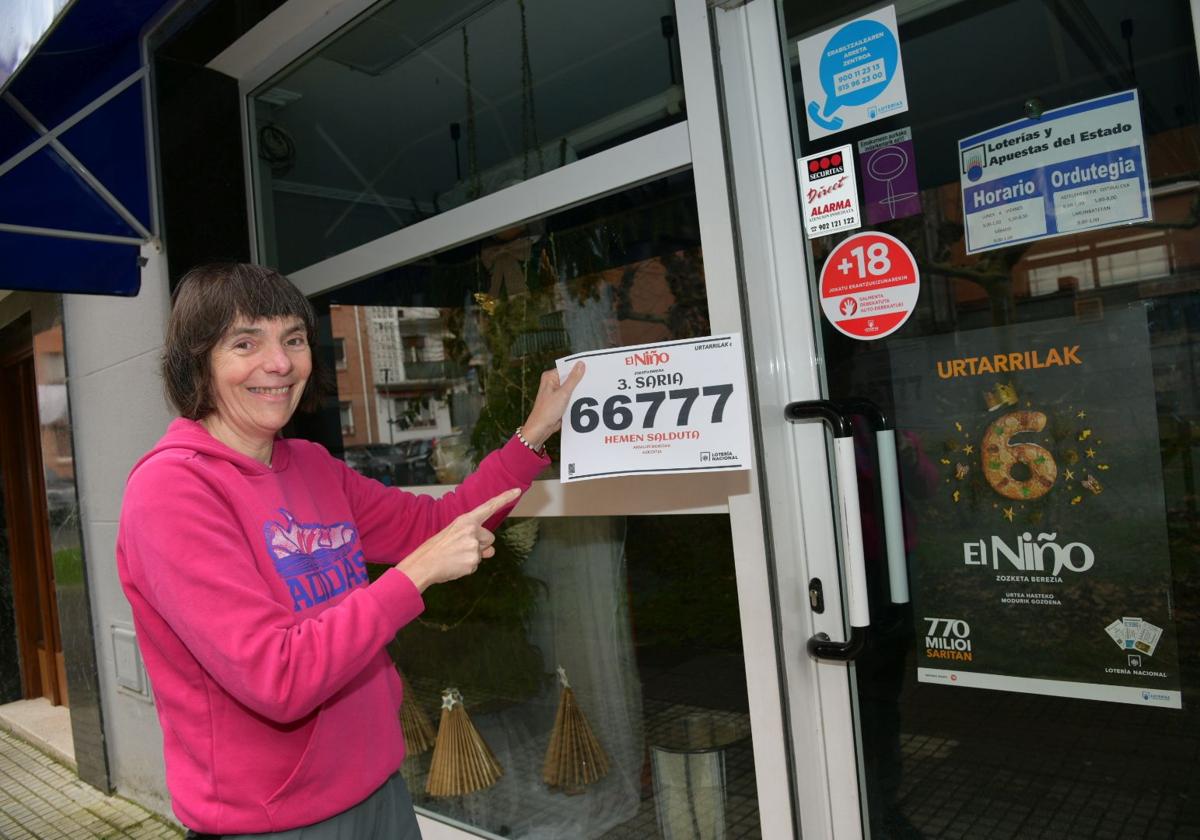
x,y
960,586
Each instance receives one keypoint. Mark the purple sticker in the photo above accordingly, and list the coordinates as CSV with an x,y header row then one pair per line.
x,y
889,176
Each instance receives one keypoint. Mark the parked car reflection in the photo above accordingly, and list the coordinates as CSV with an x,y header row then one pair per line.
x,y
401,464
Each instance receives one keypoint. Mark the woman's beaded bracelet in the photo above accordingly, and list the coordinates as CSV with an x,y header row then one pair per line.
x,y
521,437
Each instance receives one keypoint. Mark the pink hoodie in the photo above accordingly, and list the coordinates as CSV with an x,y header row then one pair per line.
x,y
263,642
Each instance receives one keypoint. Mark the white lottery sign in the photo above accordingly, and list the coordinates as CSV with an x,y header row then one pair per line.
x,y
1076,168
672,407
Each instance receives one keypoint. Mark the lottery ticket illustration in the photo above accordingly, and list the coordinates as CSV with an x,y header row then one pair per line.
x,y
1116,631
1147,638
1132,627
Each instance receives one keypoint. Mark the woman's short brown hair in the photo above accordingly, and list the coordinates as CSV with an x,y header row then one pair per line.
x,y
206,303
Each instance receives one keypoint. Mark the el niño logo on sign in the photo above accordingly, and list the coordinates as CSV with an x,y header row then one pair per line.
x,y
650,357
1043,554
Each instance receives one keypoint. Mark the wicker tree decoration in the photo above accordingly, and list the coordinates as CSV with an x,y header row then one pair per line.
x,y
574,757
418,731
462,763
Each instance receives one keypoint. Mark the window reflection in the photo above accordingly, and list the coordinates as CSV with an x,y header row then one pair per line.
x,y
57,455
437,362
441,362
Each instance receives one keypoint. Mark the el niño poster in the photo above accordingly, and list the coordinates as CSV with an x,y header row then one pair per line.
x,y
1040,560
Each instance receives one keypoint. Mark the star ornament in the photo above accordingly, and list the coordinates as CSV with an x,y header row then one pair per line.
x,y
1008,514
450,697
1091,453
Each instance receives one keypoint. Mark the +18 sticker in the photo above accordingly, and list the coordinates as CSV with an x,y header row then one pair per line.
x,y
869,285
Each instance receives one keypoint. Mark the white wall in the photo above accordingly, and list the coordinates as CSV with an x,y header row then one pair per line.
x,y
119,411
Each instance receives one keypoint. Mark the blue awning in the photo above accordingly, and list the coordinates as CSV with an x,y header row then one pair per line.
x,y
75,203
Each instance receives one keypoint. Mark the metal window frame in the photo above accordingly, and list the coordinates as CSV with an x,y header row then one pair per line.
x,y
768,208
646,158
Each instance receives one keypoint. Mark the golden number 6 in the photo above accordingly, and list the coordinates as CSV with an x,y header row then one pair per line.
x,y
1000,455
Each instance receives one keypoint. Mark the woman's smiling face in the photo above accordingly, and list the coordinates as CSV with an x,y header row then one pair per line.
x,y
259,370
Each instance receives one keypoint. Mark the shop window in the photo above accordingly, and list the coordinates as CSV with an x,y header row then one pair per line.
x,y
612,600
418,108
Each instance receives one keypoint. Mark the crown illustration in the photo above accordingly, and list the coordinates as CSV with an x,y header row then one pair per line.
x,y
1001,395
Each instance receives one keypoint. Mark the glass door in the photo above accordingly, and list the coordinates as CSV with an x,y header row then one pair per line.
x,y
1018,310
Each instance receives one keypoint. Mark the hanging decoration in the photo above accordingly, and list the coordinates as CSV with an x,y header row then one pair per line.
x,y
529,138
276,148
418,731
462,762
520,535
506,264
476,186
574,758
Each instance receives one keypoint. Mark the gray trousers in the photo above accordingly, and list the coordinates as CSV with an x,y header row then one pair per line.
x,y
387,814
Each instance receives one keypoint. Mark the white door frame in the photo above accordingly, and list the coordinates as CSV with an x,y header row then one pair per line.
x,y
798,476
697,144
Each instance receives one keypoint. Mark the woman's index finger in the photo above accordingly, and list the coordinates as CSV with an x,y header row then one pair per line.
x,y
486,510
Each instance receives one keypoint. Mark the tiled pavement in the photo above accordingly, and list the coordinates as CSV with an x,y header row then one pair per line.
x,y
41,799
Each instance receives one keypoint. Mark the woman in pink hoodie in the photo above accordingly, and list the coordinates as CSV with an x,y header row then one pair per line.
x,y
243,557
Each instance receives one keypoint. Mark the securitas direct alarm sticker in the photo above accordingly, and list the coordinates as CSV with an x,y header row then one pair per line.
x,y
869,285
829,192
